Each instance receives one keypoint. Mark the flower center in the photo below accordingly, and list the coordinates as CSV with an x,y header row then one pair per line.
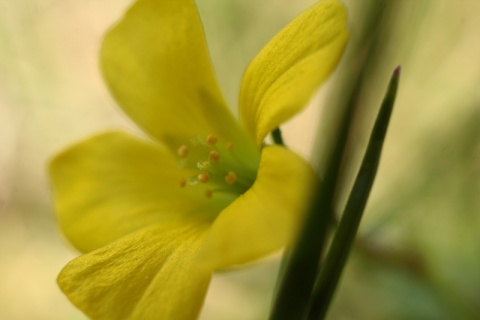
x,y
216,167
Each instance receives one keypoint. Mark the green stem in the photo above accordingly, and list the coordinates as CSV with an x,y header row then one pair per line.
x,y
347,229
302,260
277,137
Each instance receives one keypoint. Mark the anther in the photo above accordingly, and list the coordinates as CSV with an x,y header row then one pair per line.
x,y
182,151
211,139
208,193
231,177
203,177
213,156
182,182
230,145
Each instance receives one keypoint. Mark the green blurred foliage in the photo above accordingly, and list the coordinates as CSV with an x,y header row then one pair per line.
x,y
417,256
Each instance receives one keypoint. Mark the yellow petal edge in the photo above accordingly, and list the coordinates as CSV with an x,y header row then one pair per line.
x,y
150,274
266,217
156,64
282,78
114,184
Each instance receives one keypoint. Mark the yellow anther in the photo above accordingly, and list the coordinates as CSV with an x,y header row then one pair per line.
x,y
231,177
182,182
213,156
203,177
230,145
211,139
182,151
208,193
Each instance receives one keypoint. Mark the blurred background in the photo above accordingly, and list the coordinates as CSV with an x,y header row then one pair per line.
x,y
418,251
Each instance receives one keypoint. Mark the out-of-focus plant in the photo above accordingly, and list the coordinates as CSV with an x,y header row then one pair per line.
x,y
412,258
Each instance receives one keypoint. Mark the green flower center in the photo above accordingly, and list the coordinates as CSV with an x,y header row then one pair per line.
x,y
216,166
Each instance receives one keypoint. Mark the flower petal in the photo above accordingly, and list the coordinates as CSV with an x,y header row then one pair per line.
x,y
264,218
281,79
113,184
156,64
150,274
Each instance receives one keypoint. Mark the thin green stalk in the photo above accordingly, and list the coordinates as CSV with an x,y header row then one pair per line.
x,y
347,229
302,261
277,137
296,281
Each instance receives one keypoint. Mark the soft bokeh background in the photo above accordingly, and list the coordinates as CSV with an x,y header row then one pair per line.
x,y
418,255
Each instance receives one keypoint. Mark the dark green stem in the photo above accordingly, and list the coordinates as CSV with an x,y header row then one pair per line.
x,y
347,229
302,261
277,137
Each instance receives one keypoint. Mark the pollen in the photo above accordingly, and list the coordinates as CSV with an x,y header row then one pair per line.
x,y
203,177
230,145
231,177
182,182
182,151
213,156
211,139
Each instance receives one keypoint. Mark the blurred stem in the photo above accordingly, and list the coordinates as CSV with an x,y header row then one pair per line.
x,y
301,266
347,229
303,259
277,137
301,262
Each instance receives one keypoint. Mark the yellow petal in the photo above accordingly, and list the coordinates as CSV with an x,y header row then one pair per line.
x,y
113,184
264,218
156,64
281,79
150,274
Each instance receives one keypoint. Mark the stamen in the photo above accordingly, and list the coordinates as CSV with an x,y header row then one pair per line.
x,y
211,139
182,182
202,155
203,177
182,151
208,193
213,156
231,177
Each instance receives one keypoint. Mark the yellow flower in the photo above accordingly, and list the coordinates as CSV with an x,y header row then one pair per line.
x,y
157,217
